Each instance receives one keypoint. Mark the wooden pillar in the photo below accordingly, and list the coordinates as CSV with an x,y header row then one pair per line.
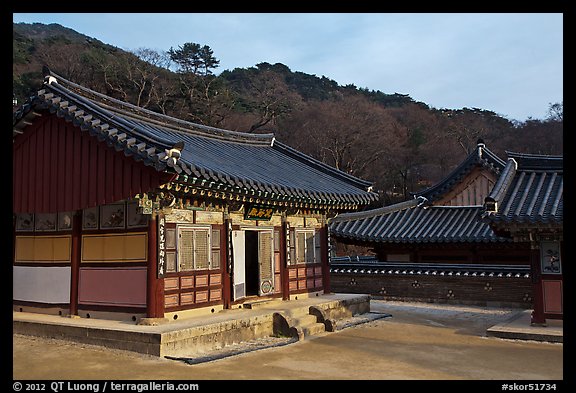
x,y
75,256
537,317
154,285
324,256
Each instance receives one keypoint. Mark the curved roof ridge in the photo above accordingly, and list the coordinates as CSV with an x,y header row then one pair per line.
x,y
454,207
501,187
527,161
513,154
128,109
379,211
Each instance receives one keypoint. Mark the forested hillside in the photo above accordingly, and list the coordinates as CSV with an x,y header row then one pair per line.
x,y
399,144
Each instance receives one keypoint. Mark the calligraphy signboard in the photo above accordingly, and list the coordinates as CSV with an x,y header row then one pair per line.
x,y
256,212
161,246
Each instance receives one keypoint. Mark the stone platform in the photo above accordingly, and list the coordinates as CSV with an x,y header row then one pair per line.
x,y
199,334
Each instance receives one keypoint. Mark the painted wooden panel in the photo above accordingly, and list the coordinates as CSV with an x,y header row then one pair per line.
x,y
112,286
186,298
42,249
310,283
301,284
318,282
180,216
302,272
276,220
238,219
205,217
201,296
552,296
318,270
277,262
202,281
310,271
187,282
312,222
277,283
293,285
215,294
170,283
58,167
215,279
171,300
41,284
292,273
295,221
115,247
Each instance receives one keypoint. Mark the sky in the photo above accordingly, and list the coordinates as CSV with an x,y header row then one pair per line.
x,y
508,63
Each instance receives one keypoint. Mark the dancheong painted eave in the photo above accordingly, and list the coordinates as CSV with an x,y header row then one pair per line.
x,y
226,162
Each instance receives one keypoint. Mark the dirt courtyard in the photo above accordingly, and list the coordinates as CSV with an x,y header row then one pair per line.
x,y
418,342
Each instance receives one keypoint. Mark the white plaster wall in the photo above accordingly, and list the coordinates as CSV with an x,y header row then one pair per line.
x,y
42,284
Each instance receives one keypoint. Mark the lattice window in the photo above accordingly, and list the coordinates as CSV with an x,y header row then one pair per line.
x,y
265,255
201,249
300,247
310,257
292,247
186,249
194,248
307,248
215,249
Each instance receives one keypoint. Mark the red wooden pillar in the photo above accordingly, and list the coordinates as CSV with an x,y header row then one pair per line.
x,y
155,285
538,312
324,256
75,256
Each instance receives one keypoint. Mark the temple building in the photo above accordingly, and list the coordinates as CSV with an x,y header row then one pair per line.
x,y
527,205
472,238
124,213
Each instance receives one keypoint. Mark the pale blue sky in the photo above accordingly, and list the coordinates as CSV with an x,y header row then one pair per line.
x,y
509,63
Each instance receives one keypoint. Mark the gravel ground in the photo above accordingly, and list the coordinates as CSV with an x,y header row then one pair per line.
x,y
471,319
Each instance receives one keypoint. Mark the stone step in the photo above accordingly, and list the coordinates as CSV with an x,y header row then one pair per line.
x,y
260,303
302,320
296,312
300,326
312,329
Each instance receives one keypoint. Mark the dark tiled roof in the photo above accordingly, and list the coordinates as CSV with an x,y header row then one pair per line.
x,y
481,156
530,192
412,222
217,159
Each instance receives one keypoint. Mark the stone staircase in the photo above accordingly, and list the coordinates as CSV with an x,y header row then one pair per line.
x,y
296,322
